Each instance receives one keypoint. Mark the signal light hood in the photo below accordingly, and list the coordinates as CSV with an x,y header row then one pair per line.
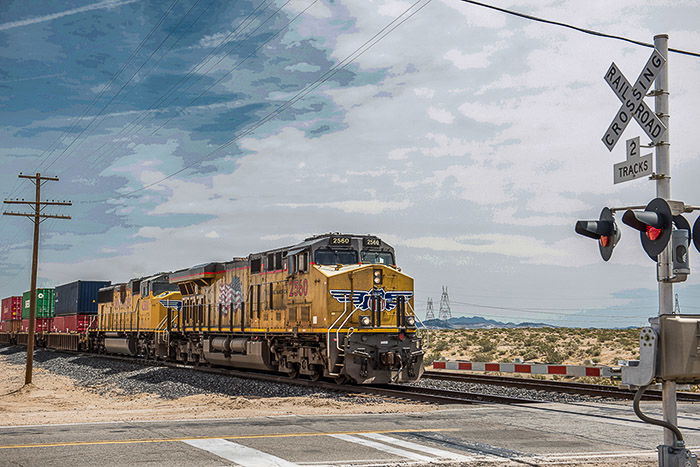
x,y
656,215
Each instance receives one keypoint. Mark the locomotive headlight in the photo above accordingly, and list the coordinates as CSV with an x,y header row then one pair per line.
x,y
365,321
377,276
410,321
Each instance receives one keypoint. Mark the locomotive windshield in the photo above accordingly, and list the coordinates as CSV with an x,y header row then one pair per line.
x,y
377,257
329,257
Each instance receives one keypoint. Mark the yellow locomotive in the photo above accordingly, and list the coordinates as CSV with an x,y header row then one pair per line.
x,y
335,305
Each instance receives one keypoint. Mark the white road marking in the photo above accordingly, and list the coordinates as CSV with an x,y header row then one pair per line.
x,y
440,453
239,454
384,447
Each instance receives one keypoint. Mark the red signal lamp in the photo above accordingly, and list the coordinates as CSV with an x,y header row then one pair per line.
x,y
604,241
653,233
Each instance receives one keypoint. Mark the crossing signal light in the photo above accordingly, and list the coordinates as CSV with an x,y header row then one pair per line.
x,y
604,230
696,234
655,225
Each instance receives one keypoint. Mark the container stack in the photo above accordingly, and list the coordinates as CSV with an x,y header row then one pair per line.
x,y
11,314
76,306
44,310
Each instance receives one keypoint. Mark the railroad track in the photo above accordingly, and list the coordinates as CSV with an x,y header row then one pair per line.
x,y
393,391
596,390
389,391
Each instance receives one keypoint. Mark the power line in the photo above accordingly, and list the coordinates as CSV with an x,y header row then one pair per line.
x,y
543,312
114,77
161,101
136,125
576,28
109,102
385,31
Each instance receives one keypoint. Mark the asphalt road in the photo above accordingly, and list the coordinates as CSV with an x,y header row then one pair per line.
x,y
474,435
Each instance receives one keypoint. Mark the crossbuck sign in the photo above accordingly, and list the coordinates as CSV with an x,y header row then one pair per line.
x,y
633,105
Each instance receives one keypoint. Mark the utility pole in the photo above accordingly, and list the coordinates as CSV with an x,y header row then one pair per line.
x,y
37,217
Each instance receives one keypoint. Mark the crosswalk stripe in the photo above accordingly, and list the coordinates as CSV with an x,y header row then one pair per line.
x,y
440,453
239,454
384,447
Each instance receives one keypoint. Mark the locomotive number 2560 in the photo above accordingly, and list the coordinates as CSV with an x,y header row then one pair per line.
x,y
299,288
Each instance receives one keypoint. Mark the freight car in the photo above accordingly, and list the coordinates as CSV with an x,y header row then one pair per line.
x,y
335,306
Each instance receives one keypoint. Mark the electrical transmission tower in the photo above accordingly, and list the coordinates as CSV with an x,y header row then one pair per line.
x,y
429,313
36,216
445,313
677,307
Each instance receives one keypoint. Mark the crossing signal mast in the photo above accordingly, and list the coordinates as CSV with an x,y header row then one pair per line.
x,y
669,347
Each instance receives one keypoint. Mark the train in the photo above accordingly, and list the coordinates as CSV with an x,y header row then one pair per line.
x,y
333,306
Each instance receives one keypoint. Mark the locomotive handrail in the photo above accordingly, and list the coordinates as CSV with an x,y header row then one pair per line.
x,y
337,333
163,321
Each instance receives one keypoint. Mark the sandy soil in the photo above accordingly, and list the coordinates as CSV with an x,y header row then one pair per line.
x,y
56,399
547,345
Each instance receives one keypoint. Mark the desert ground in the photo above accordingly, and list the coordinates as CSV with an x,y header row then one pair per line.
x,y
133,393
547,345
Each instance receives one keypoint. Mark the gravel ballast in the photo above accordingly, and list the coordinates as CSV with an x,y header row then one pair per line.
x,y
544,396
106,376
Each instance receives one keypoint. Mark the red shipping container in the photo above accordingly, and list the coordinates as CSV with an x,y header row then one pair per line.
x,y
40,325
74,323
10,326
11,308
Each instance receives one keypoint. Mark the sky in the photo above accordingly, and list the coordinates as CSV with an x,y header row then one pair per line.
x,y
188,131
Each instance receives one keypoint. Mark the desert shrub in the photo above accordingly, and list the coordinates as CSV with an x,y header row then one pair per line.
x,y
487,346
484,357
440,346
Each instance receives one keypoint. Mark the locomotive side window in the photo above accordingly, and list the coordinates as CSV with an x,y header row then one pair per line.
x,y
291,264
255,265
303,261
377,257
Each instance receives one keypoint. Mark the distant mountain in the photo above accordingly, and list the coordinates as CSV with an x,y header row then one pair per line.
x,y
477,322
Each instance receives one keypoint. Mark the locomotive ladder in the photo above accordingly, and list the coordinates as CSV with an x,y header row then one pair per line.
x,y
339,361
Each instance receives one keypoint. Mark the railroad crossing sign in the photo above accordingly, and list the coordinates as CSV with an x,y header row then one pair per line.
x,y
632,102
635,166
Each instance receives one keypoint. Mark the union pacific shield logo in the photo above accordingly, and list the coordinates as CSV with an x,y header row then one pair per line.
x,y
361,299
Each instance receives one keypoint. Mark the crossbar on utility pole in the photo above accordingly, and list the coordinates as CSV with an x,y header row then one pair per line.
x,y
37,217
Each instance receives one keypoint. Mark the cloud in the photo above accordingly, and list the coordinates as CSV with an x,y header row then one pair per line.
x,y
517,246
356,206
441,115
303,67
109,4
466,61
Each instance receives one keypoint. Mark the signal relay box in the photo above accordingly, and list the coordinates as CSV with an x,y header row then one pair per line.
x,y
679,348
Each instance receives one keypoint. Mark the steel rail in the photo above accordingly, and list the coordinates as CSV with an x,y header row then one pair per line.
x,y
391,391
596,390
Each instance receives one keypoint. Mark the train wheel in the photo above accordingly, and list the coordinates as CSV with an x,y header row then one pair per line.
x,y
294,374
318,372
341,379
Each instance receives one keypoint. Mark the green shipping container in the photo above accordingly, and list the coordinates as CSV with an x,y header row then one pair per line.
x,y
44,303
